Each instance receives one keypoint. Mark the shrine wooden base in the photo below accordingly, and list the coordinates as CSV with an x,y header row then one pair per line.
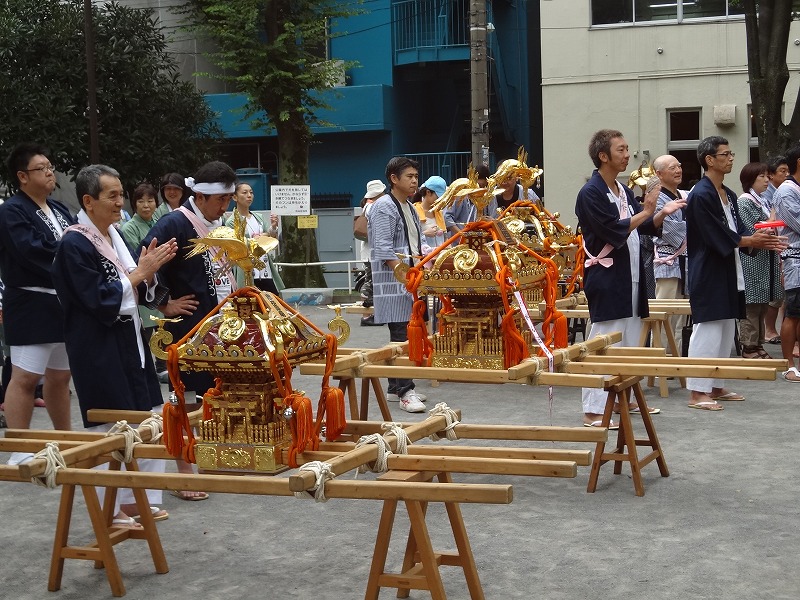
x,y
361,412
619,391
107,535
420,570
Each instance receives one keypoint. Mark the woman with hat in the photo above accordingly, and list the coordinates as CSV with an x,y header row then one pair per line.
x,y
433,225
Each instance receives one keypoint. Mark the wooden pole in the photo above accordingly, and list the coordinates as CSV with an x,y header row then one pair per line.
x,y
501,432
265,486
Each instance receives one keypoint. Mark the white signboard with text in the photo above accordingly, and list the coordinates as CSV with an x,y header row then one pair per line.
x,y
289,200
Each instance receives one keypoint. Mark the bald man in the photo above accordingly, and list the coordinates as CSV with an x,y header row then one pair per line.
x,y
669,263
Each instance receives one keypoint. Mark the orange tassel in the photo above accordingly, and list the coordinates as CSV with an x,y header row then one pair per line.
x,y
173,435
514,348
561,336
335,419
417,333
301,425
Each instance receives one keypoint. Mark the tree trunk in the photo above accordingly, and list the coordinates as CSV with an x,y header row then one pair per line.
x,y
767,28
298,245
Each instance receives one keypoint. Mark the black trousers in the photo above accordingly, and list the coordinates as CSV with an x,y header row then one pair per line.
x,y
398,332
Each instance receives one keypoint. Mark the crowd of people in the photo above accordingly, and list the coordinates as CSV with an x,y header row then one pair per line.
x,y
79,291
731,255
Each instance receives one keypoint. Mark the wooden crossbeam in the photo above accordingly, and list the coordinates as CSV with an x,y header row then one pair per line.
x,y
769,364
682,370
580,457
501,432
280,486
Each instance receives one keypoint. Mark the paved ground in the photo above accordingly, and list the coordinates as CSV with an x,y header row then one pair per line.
x,y
723,525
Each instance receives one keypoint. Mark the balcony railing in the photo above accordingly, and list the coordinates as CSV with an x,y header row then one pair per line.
x,y
429,25
448,165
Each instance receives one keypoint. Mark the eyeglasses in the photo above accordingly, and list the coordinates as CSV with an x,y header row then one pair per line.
x,y
674,167
726,154
45,169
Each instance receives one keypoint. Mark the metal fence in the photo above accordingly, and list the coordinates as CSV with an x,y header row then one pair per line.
x,y
448,165
430,23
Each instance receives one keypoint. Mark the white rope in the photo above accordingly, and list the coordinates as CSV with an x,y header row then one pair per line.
x,y
322,473
131,437
584,350
54,461
155,423
450,416
396,429
381,464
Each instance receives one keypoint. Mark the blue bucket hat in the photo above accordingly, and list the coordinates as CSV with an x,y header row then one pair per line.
x,y
435,184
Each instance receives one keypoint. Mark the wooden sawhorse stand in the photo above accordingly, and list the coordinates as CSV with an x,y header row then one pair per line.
x,y
619,394
106,534
653,325
360,413
420,562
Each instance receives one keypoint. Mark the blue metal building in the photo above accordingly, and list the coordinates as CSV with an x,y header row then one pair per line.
x,y
409,95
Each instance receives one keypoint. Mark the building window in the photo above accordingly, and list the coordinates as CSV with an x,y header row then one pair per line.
x,y
610,12
683,134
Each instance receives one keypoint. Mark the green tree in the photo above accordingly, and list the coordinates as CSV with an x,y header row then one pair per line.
x,y
268,50
767,24
150,122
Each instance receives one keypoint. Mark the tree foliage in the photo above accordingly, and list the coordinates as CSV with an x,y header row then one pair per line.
x,y
150,122
767,24
269,50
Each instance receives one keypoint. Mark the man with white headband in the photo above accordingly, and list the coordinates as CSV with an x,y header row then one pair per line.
x,y
197,284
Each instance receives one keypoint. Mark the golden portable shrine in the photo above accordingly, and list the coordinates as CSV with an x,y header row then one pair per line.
x,y
250,344
489,274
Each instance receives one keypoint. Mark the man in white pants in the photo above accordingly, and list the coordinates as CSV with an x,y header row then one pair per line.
x,y
611,221
714,234
669,263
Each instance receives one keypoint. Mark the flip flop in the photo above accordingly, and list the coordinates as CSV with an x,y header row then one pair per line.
x,y
729,397
158,514
126,523
196,498
793,371
774,340
599,423
651,410
706,405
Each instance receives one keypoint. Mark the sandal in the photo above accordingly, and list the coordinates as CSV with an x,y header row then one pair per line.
x,y
189,495
751,352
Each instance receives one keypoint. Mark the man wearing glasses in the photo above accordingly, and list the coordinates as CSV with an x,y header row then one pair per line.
x,y
31,226
714,234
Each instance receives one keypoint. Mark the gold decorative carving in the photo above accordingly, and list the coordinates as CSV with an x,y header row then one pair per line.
x,y
232,328
235,458
264,458
205,456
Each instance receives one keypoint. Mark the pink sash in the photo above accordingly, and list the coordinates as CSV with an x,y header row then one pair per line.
x,y
105,249
202,230
601,259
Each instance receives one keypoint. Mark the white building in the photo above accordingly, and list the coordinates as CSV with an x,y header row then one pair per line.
x,y
665,73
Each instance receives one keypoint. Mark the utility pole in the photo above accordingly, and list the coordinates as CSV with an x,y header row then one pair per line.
x,y
479,83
